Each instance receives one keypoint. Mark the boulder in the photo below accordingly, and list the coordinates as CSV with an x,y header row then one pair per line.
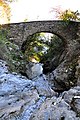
x,y
34,70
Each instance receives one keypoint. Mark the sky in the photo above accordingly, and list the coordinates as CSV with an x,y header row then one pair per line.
x,y
33,10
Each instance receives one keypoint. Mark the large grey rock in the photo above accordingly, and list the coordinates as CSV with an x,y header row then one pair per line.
x,y
24,99
54,109
43,87
34,70
16,94
72,97
19,96
70,94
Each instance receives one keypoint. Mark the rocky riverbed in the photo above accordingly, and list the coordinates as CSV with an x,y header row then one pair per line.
x,y
25,99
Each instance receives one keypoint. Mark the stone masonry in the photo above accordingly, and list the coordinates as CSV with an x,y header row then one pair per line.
x,y
18,32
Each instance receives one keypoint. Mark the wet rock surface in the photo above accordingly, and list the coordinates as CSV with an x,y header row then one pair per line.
x,y
24,99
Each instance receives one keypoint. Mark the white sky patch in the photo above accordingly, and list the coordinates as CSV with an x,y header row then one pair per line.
x,y
39,9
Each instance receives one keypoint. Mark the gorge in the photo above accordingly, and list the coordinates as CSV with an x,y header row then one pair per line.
x,y
53,95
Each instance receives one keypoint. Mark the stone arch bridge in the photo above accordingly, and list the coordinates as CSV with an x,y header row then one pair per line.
x,y
18,32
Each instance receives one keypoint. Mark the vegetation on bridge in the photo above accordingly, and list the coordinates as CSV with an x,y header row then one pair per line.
x,y
66,15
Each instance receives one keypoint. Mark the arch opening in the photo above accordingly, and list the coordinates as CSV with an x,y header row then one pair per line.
x,y
46,48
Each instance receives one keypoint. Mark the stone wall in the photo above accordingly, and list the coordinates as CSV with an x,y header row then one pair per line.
x,y
18,32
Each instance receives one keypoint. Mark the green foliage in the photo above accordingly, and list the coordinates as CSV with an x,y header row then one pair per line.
x,y
10,52
69,15
55,47
66,15
25,20
42,48
35,46
56,44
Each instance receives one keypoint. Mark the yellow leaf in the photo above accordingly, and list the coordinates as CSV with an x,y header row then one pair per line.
x,y
4,12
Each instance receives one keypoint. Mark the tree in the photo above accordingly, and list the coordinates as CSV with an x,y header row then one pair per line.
x,y
4,12
35,46
67,15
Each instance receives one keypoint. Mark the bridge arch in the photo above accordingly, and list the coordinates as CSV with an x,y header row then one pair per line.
x,y
23,46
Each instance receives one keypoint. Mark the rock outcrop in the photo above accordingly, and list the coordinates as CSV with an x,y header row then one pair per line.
x,y
19,94
67,73
24,99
